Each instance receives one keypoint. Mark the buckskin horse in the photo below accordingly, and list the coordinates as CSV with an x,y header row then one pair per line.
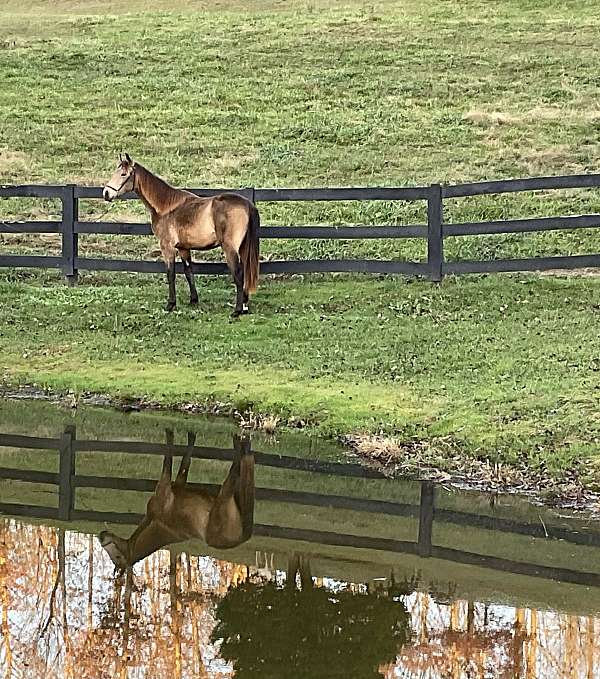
x,y
178,512
183,222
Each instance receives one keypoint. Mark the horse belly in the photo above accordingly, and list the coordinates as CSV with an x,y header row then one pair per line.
x,y
194,511
197,229
197,239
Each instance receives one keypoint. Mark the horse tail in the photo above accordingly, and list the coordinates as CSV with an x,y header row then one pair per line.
x,y
239,486
249,251
244,494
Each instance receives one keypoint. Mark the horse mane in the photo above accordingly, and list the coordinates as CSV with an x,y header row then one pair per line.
x,y
158,195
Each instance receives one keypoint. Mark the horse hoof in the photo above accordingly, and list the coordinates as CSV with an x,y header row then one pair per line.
x,y
194,302
237,313
169,306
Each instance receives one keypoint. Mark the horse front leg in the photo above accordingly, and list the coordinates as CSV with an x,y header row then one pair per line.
x,y
162,493
186,258
186,461
168,253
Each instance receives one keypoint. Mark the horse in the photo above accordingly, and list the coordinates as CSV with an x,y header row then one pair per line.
x,y
183,222
176,512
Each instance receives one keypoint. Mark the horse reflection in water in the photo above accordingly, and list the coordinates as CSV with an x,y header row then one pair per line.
x,y
177,512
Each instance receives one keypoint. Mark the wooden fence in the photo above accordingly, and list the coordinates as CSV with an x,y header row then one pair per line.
x,y
434,232
67,480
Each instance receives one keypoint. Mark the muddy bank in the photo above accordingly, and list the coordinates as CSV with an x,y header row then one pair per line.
x,y
246,419
440,461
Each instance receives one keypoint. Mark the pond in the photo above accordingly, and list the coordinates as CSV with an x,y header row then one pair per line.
x,y
274,558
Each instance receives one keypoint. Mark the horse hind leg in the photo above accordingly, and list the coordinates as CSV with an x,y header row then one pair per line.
x,y
167,468
234,264
186,258
163,495
231,518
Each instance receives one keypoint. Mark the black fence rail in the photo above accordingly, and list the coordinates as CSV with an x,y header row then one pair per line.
x,y
434,232
425,512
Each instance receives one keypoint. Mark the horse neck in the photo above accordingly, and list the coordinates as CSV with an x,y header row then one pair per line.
x,y
158,196
163,529
147,538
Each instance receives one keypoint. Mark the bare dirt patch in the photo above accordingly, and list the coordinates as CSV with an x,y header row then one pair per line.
x,y
586,272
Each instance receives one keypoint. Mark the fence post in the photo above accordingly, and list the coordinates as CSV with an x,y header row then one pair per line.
x,y
426,511
70,240
249,192
66,499
435,242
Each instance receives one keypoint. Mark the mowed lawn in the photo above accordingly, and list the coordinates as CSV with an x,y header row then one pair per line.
x,y
317,94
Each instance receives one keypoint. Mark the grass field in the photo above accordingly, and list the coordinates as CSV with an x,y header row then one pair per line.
x,y
499,368
308,94
312,94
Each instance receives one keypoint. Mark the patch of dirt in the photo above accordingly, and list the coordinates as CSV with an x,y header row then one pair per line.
x,y
587,272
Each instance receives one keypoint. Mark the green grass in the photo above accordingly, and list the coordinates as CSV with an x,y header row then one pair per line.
x,y
504,367
307,94
311,94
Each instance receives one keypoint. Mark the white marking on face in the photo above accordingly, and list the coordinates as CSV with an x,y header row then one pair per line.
x,y
120,181
109,544
109,194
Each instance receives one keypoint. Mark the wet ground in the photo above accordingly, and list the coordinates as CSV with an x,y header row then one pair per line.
x,y
270,558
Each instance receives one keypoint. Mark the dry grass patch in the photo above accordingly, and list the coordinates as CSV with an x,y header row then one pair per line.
x,y
485,119
265,423
231,161
13,163
558,158
41,243
442,460
576,113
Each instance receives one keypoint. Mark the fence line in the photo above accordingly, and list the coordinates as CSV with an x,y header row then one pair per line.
x,y
425,512
434,232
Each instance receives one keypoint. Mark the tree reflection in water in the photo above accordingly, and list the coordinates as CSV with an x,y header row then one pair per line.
x,y
166,620
274,631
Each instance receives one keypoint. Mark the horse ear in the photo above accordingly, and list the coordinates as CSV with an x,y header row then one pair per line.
x,y
128,159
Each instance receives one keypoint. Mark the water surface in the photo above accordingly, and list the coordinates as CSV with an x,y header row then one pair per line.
x,y
345,574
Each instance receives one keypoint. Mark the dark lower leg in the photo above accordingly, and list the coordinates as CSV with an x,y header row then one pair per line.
x,y
186,258
171,301
235,266
244,487
239,299
167,468
186,461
